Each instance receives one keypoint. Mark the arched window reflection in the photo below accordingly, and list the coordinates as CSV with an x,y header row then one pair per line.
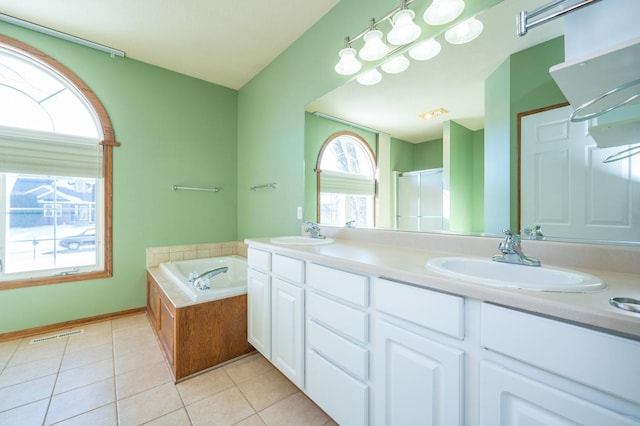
x,y
346,180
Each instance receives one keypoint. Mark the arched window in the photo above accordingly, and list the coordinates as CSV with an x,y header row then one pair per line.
x,y
346,181
55,172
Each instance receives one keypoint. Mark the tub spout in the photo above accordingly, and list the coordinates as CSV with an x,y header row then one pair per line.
x,y
201,282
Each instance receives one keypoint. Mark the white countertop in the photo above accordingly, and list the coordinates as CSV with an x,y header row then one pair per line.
x,y
405,263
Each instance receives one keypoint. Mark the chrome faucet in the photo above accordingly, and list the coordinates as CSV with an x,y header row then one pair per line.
x,y
313,229
201,282
512,252
534,233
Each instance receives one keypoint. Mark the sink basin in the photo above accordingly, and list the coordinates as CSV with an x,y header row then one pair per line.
x,y
298,240
499,274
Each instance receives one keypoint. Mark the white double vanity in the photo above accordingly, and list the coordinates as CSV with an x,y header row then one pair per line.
x,y
374,337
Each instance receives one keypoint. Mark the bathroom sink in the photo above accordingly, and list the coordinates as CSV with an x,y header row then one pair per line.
x,y
499,274
298,240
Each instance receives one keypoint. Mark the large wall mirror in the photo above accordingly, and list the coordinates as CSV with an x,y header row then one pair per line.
x,y
486,87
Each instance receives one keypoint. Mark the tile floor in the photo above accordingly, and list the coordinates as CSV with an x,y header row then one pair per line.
x,y
114,374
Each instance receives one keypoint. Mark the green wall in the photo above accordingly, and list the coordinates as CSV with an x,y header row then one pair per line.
x,y
477,202
428,155
458,175
497,146
173,129
401,156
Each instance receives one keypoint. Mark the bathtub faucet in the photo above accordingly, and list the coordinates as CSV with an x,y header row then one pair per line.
x,y
201,282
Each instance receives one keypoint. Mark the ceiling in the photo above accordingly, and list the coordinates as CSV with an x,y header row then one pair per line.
x,y
223,42
228,43
453,80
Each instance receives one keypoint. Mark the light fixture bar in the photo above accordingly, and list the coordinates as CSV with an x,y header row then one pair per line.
x,y
58,34
384,18
523,17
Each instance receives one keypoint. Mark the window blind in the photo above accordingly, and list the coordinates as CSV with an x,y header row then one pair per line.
x,y
44,153
345,183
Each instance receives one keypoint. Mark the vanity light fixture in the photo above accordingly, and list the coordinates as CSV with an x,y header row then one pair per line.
x,y
425,50
369,78
404,29
439,112
464,32
348,64
404,32
374,48
443,11
395,65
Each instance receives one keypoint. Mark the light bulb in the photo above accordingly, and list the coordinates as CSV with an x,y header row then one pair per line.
x,y
370,78
395,65
425,50
443,11
348,64
464,32
374,48
404,29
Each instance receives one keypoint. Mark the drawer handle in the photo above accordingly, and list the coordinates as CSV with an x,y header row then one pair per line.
x,y
626,303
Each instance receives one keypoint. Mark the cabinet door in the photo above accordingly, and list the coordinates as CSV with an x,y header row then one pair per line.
x,y
340,395
510,399
259,311
287,338
418,381
153,301
167,329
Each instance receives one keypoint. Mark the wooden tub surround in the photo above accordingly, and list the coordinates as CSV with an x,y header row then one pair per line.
x,y
196,337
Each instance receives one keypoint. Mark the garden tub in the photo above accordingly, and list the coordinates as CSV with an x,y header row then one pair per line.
x,y
231,283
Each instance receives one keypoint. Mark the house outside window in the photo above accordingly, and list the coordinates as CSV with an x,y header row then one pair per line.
x,y
55,172
346,181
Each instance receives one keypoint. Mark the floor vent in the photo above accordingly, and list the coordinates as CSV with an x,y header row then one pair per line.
x,y
56,336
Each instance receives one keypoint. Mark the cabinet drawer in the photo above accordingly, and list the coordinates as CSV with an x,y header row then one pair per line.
x,y
344,319
344,285
259,259
344,398
348,355
437,311
593,358
288,268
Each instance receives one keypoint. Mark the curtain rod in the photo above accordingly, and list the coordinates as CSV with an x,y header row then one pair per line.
x,y
348,123
58,34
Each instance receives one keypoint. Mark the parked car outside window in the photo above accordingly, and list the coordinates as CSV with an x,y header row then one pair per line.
x,y
74,242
